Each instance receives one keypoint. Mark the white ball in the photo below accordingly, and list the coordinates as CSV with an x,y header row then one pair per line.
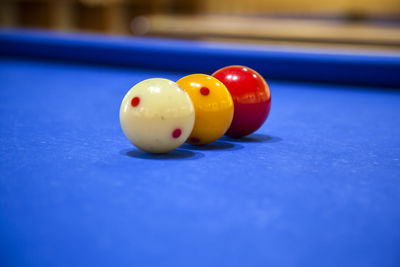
x,y
156,115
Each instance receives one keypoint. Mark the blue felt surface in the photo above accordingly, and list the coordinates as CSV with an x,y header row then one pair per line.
x,y
274,62
318,185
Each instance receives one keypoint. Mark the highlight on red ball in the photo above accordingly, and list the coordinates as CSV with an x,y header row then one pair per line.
x,y
251,97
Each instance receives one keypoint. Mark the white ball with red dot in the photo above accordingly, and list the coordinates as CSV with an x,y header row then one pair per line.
x,y
156,115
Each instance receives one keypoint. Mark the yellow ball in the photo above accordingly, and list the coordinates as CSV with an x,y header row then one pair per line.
x,y
213,107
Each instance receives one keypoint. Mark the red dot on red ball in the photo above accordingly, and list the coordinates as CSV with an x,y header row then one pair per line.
x,y
176,133
204,91
135,101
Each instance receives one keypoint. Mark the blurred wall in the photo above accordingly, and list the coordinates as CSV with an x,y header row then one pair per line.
x,y
115,16
301,6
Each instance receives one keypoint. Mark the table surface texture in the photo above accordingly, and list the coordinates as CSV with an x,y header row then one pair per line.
x,y
317,185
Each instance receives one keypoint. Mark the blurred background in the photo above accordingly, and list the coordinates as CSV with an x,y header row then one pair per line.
x,y
372,24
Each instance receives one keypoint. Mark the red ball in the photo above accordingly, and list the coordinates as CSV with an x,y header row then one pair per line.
x,y
251,98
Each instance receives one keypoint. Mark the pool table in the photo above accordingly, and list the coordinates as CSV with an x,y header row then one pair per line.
x,y
317,185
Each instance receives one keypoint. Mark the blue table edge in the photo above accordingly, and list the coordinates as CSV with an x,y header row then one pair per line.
x,y
372,68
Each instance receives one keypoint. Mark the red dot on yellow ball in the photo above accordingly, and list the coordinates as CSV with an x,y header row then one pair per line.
x,y
204,91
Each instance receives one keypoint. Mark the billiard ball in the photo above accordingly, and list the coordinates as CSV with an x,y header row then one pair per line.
x,y
213,107
156,115
251,97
